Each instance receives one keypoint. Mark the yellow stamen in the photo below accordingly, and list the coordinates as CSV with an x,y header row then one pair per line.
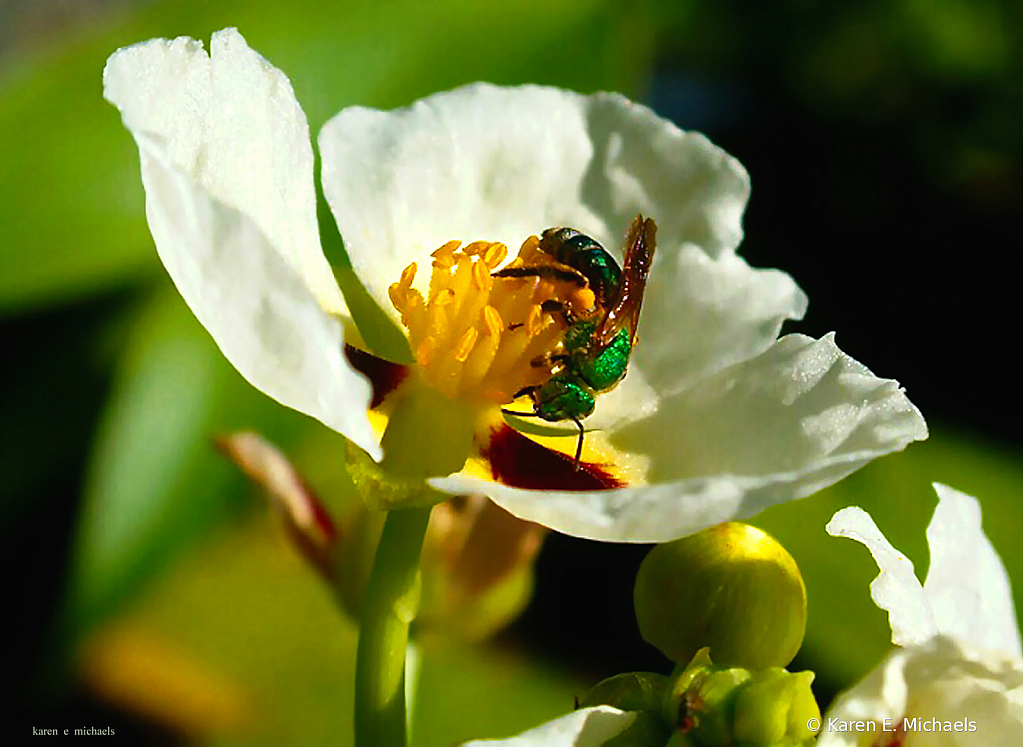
x,y
481,275
466,344
445,251
397,295
492,321
494,255
442,262
529,252
477,336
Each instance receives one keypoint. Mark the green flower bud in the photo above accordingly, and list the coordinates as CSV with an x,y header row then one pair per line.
x,y
713,706
732,588
774,708
700,702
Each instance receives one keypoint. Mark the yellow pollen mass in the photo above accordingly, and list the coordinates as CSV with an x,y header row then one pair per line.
x,y
473,335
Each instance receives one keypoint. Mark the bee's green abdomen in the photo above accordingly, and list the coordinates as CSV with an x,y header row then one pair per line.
x,y
602,372
561,397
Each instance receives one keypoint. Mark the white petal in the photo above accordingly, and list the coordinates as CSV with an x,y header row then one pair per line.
x,y
896,589
940,680
240,286
484,162
778,427
229,121
794,406
587,727
702,314
967,586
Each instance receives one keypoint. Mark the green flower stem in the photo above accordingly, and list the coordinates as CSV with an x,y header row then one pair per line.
x,y
390,605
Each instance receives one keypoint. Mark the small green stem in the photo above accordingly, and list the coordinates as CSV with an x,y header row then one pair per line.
x,y
390,605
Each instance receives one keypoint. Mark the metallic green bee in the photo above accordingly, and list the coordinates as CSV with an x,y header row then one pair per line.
x,y
598,343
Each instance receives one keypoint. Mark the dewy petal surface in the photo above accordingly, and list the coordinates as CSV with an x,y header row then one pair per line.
x,y
227,169
967,586
587,727
779,426
500,164
896,588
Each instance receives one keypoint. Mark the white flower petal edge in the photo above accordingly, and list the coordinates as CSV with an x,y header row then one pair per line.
x,y
587,727
966,594
952,672
500,164
780,426
896,588
941,679
227,168
967,586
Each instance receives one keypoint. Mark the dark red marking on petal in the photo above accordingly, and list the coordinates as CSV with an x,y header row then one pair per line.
x,y
523,463
383,375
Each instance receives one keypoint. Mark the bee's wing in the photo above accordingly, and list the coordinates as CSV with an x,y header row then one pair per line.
x,y
623,312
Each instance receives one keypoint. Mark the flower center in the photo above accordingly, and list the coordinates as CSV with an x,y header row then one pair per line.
x,y
475,336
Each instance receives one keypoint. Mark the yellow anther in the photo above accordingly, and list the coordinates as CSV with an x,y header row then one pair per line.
x,y
492,321
495,254
530,249
481,276
408,275
396,293
465,344
443,262
447,250
477,336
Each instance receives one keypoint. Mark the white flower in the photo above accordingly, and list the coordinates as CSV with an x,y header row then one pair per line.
x,y
957,677
587,727
716,419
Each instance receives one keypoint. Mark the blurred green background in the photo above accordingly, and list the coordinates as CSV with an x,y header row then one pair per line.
x,y
148,591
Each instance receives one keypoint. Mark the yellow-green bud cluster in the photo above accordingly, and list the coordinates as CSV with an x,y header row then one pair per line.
x,y
705,705
714,706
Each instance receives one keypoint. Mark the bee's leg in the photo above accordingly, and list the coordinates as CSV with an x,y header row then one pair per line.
x,y
553,306
520,414
579,445
562,273
524,391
